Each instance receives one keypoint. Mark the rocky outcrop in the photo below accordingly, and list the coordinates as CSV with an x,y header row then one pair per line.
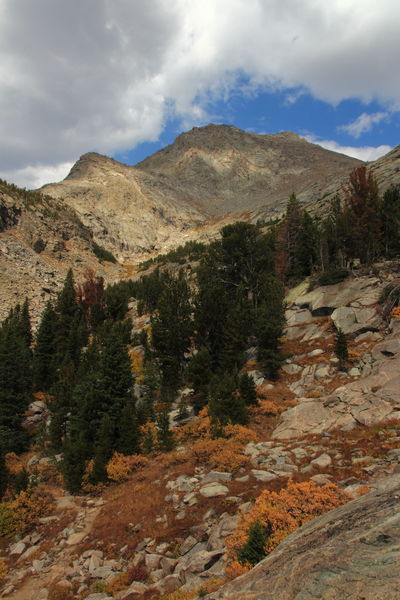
x,y
352,552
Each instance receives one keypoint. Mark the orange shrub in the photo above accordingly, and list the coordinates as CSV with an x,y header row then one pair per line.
x,y
3,569
120,466
395,313
281,513
242,434
220,454
27,507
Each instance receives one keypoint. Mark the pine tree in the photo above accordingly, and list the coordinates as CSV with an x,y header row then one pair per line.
x,y
363,203
171,330
128,435
15,382
103,449
199,373
254,549
269,325
165,437
340,348
390,221
74,460
225,403
43,364
61,406
247,390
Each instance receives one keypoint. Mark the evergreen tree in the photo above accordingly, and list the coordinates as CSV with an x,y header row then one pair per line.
x,y
74,459
247,390
61,406
198,374
15,382
171,330
165,437
43,357
307,245
291,235
254,549
225,403
390,221
363,203
103,449
128,435
269,325
340,348
234,337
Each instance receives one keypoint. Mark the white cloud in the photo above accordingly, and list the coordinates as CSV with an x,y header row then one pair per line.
x,y
364,123
105,75
34,176
366,153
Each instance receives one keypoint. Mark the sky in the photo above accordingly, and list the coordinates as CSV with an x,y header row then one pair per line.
x,y
125,77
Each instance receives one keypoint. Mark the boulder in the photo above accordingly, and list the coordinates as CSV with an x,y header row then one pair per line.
x,y
349,552
212,490
217,476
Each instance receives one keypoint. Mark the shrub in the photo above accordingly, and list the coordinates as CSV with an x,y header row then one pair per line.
x,y
3,569
27,507
334,276
279,514
7,521
120,466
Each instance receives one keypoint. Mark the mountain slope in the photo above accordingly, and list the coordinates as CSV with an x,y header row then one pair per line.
x,y
207,176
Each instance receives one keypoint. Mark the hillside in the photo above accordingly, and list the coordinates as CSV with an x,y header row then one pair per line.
x,y
40,239
173,515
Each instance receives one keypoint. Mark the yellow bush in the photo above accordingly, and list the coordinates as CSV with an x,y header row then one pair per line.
x,y
3,569
241,434
281,513
118,583
221,454
7,521
395,313
120,466
27,507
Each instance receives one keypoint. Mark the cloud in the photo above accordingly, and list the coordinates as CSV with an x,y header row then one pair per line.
x,y
106,75
34,176
364,123
366,153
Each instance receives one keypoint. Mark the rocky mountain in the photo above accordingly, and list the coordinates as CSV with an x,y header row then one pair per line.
x,y
207,177
40,239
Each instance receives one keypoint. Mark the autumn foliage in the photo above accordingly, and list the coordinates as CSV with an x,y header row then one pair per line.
x,y
281,513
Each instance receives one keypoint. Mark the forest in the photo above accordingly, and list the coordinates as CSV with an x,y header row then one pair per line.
x,y
211,310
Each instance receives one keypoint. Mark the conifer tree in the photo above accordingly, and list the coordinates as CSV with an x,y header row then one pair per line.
x,y
43,364
128,435
269,325
74,459
254,549
171,330
390,221
15,382
247,390
341,349
200,370
103,449
165,437
225,403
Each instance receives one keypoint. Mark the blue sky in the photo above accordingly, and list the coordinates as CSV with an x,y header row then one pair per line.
x,y
125,77
316,120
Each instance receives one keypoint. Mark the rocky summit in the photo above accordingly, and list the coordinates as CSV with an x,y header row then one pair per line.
x,y
208,176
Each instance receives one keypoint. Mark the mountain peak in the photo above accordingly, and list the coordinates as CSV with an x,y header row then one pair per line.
x,y
89,163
